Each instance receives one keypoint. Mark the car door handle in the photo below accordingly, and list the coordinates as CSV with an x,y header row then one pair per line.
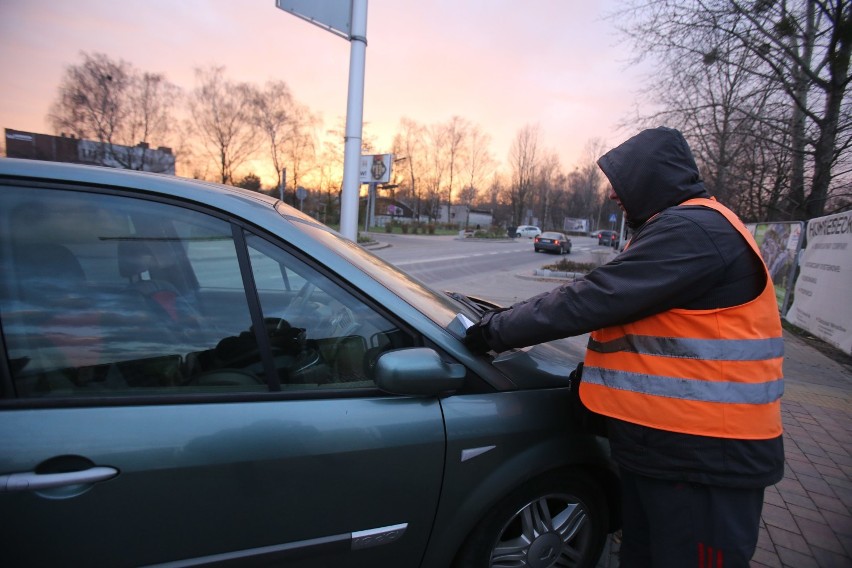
x,y
31,481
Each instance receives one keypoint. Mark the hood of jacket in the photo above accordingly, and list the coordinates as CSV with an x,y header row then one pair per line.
x,y
652,171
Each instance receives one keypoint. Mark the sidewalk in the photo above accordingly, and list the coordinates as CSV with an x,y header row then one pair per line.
x,y
807,517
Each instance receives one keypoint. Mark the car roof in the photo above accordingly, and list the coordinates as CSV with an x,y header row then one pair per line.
x,y
250,205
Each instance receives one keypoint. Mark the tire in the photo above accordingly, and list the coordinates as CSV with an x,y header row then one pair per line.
x,y
559,519
517,235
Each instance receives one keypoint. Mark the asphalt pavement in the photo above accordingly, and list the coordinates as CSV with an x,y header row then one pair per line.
x,y
807,517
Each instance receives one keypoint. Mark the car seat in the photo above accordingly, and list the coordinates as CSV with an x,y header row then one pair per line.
x,y
139,264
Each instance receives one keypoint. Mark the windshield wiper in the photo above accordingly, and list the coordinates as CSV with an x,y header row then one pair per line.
x,y
477,308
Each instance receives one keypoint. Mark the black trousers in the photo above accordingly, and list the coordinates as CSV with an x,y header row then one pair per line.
x,y
670,524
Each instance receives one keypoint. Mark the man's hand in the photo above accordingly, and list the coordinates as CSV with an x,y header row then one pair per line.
x,y
475,339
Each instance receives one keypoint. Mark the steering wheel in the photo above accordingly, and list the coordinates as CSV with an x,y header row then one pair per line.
x,y
298,303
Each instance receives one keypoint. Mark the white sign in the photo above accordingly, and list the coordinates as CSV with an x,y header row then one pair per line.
x,y
332,15
825,278
375,168
573,225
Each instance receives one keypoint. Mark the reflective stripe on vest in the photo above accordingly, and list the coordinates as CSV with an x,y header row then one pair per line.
x,y
704,372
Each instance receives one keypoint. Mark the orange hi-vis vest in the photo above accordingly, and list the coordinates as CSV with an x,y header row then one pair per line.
x,y
714,372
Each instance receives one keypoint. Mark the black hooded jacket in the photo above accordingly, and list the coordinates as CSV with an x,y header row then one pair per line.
x,y
686,257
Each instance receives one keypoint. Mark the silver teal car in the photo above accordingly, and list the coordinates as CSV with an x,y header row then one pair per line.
x,y
195,375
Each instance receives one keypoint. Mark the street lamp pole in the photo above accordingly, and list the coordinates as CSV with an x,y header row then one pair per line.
x,y
354,118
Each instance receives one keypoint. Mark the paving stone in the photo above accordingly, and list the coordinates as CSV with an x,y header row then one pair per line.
x,y
829,503
816,485
804,501
765,558
803,467
787,538
791,485
828,559
810,514
793,559
819,534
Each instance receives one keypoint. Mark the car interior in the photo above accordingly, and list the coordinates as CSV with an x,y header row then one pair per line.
x,y
109,295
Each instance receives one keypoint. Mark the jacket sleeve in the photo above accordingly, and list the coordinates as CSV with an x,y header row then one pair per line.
x,y
670,261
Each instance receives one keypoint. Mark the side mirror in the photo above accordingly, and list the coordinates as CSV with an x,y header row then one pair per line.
x,y
417,371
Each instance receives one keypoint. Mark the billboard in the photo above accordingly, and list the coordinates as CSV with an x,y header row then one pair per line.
x,y
821,298
573,225
375,168
779,245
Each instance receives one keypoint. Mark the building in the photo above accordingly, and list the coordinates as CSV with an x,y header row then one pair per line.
x,y
33,146
463,216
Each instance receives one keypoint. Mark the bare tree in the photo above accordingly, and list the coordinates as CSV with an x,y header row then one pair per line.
x,y
524,162
455,133
221,113
806,48
151,101
301,145
273,115
765,73
435,171
478,163
408,143
121,109
549,189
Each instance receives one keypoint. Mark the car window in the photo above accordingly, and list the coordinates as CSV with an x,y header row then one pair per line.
x,y
439,307
321,334
105,295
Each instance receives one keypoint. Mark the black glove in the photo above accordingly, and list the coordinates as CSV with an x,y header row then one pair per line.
x,y
475,340
476,337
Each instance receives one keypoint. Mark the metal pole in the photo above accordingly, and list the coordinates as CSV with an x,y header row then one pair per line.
x,y
354,119
283,183
373,196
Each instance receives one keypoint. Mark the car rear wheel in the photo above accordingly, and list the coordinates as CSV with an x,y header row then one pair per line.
x,y
556,520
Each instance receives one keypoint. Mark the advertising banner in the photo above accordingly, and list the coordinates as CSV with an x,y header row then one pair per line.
x,y
375,168
821,300
779,245
572,225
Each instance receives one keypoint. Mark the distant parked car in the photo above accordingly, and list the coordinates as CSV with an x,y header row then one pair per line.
x,y
608,238
550,241
528,231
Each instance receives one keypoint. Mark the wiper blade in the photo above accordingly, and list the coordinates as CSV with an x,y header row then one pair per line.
x,y
478,308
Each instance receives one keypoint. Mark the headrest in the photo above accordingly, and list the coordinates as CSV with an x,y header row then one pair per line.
x,y
134,258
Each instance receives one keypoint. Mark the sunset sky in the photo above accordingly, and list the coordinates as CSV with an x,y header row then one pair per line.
x,y
502,65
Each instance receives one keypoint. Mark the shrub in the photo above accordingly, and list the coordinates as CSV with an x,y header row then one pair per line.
x,y
565,265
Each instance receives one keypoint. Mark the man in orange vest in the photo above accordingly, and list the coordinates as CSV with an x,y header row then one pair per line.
x,y
683,361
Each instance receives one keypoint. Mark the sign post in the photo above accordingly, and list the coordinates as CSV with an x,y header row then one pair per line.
x,y
347,19
373,170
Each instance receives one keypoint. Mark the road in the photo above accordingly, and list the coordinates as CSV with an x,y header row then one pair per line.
x,y
497,270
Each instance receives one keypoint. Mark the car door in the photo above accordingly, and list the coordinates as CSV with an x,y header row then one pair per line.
x,y
169,397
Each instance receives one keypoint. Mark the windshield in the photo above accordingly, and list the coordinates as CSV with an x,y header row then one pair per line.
x,y
441,308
